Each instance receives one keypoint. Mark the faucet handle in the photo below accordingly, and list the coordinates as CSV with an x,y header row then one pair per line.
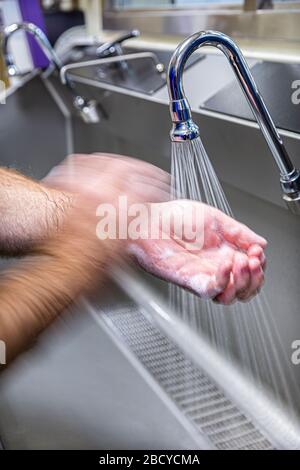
x,y
115,46
129,35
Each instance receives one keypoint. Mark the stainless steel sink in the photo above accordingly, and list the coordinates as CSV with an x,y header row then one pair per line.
x,y
104,376
138,75
78,387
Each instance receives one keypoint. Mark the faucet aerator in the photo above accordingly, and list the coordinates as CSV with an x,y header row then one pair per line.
x,y
293,202
183,131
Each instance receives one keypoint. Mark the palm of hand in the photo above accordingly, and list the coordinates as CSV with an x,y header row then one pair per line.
x,y
226,263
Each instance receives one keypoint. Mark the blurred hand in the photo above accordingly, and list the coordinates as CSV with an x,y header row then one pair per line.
x,y
95,174
227,265
97,179
68,259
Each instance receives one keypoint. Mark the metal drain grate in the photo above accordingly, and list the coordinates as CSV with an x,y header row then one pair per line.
x,y
195,394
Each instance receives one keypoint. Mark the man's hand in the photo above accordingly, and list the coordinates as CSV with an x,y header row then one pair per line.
x,y
93,174
228,264
32,211
69,260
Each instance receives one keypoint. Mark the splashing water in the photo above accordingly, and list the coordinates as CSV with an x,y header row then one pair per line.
x,y
245,332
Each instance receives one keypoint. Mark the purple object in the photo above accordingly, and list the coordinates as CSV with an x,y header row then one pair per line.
x,y
31,12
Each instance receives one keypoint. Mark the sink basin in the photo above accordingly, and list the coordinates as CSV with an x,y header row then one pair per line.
x,y
78,389
230,100
138,75
106,369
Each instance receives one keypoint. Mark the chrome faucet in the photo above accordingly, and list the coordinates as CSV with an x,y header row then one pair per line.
x,y
86,108
184,127
114,47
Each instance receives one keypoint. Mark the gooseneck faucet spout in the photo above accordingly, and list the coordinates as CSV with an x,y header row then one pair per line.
x,y
184,127
40,37
86,108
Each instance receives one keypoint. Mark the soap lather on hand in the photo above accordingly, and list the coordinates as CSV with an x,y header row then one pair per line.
x,y
227,265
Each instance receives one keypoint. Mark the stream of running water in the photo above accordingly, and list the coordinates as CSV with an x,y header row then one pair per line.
x,y
245,332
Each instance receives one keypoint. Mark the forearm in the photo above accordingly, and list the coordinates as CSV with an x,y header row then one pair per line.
x,y
34,293
29,212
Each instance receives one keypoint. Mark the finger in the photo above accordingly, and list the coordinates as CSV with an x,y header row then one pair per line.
x,y
102,164
263,261
141,166
228,296
222,278
241,273
151,189
257,279
235,232
132,175
255,251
